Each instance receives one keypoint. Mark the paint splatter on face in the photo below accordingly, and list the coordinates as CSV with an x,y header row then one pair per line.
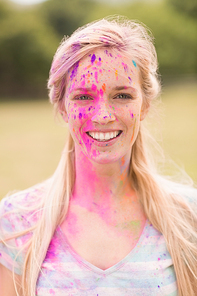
x,y
134,63
93,58
103,102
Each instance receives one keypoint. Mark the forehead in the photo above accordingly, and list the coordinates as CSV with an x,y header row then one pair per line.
x,y
104,62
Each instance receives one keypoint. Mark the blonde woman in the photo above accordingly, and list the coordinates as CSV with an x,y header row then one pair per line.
x,y
106,223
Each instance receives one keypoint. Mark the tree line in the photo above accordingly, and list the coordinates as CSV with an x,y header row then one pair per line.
x,y
29,37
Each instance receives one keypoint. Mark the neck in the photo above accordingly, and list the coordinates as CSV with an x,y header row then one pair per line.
x,y
100,184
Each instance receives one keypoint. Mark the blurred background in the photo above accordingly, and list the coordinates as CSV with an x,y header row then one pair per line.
x,y
30,32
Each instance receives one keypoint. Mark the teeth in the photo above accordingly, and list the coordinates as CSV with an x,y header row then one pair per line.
x,y
107,136
103,136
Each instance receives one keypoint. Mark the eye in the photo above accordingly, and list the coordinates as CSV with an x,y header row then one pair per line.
x,y
83,98
123,96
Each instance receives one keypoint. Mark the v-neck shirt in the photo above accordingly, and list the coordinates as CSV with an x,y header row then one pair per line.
x,y
146,271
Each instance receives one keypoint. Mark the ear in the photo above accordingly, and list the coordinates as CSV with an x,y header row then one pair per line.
x,y
144,112
62,110
64,115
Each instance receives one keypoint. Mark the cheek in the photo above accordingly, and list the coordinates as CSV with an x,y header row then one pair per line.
x,y
77,116
76,113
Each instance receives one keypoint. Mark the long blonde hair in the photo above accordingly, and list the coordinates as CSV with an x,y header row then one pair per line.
x,y
167,211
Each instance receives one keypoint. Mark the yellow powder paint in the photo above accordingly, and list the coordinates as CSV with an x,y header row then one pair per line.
x,y
116,74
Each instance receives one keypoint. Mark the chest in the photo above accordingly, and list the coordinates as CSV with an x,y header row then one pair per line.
x,y
102,242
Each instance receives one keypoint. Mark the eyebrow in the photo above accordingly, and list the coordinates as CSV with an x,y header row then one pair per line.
x,y
121,87
83,89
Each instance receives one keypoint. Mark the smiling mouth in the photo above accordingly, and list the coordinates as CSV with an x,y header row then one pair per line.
x,y
102,137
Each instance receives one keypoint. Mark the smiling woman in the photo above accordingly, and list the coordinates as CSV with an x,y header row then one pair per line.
x,y
106,223
103,106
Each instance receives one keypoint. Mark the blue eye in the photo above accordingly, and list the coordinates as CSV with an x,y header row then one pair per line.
x,y
123,96
83,98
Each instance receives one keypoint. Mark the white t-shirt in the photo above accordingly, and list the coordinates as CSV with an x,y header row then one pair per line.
x,y
146,271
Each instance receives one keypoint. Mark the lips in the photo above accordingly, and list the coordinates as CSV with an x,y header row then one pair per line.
x,y
104,136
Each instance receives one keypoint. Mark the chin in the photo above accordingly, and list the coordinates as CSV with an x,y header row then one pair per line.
x,y
105,159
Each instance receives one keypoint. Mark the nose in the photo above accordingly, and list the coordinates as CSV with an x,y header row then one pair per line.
x,y
103,114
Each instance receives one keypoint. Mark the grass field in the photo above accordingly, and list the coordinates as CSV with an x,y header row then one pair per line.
x,y
32,141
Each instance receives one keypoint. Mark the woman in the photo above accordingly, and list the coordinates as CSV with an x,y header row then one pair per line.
x,y
105,223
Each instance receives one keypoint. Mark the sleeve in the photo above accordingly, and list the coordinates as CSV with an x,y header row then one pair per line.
x,y
13,219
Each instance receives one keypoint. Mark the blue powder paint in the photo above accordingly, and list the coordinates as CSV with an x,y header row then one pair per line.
x,y
80,115
134,63
74,71
93,58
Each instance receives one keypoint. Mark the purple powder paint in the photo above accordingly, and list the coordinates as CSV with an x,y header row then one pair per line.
x,y
74,71
130,78
93,58
99,59
80,115
125,67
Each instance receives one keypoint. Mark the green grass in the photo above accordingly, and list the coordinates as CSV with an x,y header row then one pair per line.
x,y
31,144
180,125
32,141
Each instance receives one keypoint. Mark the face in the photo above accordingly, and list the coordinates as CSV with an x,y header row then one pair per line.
x,y
103,104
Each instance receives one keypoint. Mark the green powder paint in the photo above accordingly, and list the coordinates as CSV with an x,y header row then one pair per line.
x,y
121,183
130,225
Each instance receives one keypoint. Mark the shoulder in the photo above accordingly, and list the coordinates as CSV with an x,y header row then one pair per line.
x,y
21,210
19,214
187,193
